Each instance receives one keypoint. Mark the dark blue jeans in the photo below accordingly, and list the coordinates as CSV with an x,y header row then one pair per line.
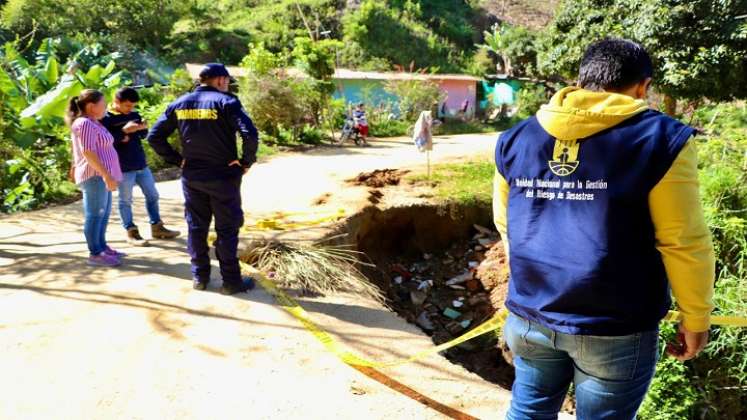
x,y
611,374
202,201
97,206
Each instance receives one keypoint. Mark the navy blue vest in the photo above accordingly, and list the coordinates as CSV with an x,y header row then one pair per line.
x,y
582,248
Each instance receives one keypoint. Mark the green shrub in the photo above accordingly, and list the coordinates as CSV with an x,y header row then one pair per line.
x,y
113,17
398,36
312,135
721,373
672,395
456,126
36,141
514,46
201,45
415,96
714,385
530,98
389,128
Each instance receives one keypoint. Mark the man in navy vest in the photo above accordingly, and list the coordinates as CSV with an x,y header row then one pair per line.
x,y
208,120
596,199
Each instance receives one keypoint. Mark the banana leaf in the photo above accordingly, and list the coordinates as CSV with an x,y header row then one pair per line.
x,y
53,103
10,90
94,75
52,71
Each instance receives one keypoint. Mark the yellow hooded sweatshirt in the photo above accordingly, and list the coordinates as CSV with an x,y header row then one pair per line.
x,y
682,236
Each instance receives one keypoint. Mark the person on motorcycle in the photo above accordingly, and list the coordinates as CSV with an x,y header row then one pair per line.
x,y
359,118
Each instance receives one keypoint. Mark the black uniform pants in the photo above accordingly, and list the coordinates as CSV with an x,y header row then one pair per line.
x,y
202,201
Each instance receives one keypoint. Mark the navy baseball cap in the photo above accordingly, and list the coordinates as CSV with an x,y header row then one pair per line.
x,y
214,70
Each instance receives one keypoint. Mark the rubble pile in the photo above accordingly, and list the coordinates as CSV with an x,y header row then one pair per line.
x,y
379,178
449,293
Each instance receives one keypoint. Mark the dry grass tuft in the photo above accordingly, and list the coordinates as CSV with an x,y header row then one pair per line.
x,y
317,269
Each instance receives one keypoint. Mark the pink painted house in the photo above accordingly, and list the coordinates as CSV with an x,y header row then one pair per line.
x,y
461,91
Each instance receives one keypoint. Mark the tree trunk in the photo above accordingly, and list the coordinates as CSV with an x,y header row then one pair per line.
x,y
670,105
305,23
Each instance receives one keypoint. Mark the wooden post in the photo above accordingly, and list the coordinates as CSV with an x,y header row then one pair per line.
x,y
428,155
670,105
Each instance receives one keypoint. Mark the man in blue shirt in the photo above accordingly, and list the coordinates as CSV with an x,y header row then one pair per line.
x,y
128,129
207,121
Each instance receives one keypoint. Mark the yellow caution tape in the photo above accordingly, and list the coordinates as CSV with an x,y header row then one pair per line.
x,y
278,221
493,324
722,320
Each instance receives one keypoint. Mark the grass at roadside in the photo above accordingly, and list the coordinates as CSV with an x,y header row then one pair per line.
x,y
465,183
451,127
266,150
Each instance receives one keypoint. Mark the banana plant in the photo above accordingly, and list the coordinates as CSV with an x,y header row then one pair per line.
x,y
53,102
34,93
21,82
39,91
496,42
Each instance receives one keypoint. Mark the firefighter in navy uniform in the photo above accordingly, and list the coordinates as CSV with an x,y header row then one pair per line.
x,y
207,120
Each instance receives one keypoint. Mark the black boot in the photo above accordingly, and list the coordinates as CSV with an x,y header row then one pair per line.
x,y
246,284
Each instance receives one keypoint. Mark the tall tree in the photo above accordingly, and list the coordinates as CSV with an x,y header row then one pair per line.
x,y
699,47
147,23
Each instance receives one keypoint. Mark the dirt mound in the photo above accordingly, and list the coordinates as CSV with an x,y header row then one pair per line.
x,y
322,199
374,196
379,178
493,274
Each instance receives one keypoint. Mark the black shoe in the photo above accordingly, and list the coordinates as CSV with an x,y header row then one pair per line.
x,y
198,284
246,284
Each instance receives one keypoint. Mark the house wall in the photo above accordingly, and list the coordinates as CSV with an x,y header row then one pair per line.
x,y
459,91
501,92
372,93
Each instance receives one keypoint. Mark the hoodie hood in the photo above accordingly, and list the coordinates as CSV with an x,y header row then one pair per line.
x,y
574,113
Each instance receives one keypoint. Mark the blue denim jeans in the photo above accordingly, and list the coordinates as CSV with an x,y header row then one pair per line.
x,y
97,206
611,374
144,179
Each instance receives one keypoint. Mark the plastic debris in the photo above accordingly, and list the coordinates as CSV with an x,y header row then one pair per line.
x,y
459,279
457,304
486,242
398,279
454,328
452,314
465,323
425,284
424,322
483,230
418,297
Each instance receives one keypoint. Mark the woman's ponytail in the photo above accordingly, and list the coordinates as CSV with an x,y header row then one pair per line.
x,y
73,110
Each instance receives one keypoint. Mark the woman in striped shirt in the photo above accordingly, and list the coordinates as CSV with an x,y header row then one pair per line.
x,y
96,172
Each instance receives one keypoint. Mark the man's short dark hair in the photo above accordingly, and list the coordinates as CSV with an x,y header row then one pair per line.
x,y
614,64
127,94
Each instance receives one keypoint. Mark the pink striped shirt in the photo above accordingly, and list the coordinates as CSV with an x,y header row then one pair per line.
x,y
89,134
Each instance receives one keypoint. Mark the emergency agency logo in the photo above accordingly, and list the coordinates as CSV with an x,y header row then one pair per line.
x,y
564,157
